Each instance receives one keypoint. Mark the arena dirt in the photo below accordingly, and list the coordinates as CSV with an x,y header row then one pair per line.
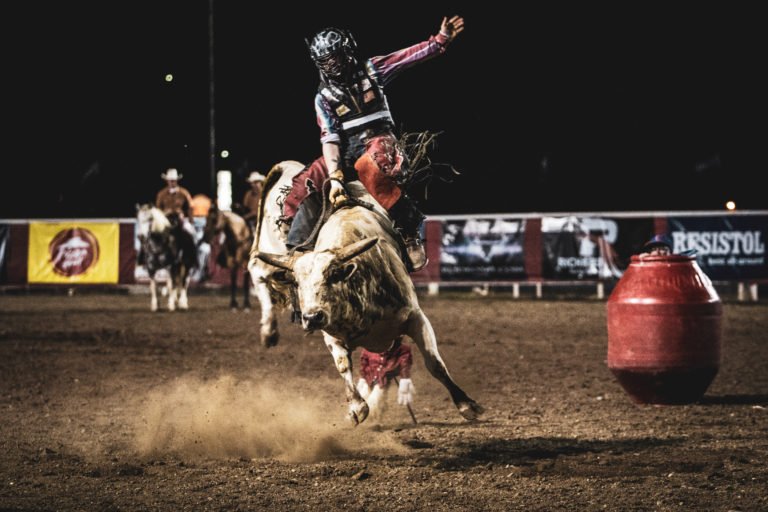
x,y
105,406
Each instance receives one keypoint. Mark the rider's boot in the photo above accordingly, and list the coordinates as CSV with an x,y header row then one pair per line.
x,y
408,219
303,224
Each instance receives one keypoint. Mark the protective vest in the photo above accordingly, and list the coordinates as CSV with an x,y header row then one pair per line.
x,y
361,108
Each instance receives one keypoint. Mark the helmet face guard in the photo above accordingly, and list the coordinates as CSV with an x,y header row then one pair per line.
x,y
332,65
332,50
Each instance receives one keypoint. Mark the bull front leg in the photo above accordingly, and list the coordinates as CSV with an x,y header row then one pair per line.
x,y
358,409
419,329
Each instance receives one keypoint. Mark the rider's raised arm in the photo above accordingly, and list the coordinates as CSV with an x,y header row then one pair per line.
x,y
387,67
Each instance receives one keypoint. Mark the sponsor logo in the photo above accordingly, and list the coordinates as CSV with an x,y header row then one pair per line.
x,y
719,243
73,251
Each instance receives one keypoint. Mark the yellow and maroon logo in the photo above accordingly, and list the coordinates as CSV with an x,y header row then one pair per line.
x,y
73,251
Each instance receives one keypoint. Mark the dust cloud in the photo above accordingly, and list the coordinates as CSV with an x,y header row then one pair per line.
x,y
224,418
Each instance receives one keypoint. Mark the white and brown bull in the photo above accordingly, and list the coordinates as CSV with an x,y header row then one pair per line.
x,y
355,288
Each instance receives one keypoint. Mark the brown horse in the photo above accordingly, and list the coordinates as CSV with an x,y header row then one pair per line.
x,y
235,248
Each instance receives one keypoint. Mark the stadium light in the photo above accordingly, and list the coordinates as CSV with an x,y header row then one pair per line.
x,y
224,190
730,206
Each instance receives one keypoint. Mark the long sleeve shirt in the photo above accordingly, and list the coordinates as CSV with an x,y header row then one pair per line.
x,y
385,68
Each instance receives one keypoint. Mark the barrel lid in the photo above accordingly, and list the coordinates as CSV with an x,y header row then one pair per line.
x,y
663,258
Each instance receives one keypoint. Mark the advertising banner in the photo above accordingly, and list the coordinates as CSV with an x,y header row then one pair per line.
x,y
727,247
73,252
590,247
5,232
482,249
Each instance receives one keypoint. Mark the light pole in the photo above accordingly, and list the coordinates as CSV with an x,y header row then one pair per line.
x,y
212,118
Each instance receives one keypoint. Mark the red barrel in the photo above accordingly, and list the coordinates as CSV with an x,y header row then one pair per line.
x,y
664,326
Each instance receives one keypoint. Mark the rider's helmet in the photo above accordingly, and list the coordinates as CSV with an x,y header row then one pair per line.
x,y
333,51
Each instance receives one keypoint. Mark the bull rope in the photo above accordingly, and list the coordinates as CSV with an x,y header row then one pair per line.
x,y
326,212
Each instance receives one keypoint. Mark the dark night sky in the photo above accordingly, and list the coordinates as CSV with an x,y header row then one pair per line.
x,y
545,109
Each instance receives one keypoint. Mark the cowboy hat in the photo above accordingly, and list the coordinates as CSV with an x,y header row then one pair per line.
x,y
171,174
255,176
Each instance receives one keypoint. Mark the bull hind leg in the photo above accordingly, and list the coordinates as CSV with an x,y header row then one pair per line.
x,y
419,329
358,408
268,322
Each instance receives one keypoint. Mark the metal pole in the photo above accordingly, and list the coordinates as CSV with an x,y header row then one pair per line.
x,y
211,121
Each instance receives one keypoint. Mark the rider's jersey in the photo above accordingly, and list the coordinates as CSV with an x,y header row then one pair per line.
x,y
350,113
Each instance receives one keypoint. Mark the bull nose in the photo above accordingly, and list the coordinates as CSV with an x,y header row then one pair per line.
x,y
313,320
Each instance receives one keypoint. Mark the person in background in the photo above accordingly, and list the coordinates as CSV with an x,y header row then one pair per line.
x,y
252,198
378,370
174,199
659,245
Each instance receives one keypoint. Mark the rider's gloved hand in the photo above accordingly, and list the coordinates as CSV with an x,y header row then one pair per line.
x,y
338,194
450,28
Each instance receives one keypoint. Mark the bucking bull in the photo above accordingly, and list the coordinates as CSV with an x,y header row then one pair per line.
x,y
353,286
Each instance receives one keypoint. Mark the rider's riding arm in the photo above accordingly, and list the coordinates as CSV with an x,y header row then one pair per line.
x,y
332,156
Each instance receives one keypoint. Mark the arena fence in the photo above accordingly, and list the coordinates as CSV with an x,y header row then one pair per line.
x,y
479,251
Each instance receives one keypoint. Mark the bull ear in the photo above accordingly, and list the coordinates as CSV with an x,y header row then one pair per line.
x,y
278,260
350,251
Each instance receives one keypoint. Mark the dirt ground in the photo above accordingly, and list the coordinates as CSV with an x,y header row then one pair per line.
x,y
106,406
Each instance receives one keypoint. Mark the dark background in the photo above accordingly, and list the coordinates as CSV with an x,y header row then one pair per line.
x,y
542,109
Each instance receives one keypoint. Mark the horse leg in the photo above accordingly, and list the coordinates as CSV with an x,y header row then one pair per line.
x,y
184,278
233,287
268,322
419,329
153,293
358,409
246,290
171,286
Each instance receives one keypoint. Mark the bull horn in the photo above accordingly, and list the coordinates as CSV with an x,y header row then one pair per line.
x,y
283,261
350,251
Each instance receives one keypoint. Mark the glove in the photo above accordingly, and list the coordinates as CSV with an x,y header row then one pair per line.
x,y
337,194
405,392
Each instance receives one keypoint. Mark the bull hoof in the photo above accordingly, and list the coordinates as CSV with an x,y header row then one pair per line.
x,y
357,413
470,410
